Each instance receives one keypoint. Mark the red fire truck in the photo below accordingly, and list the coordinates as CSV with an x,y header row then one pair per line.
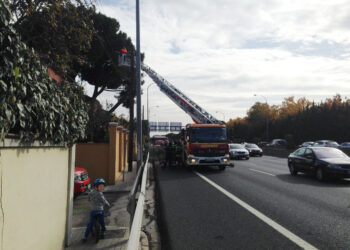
x,y
205,145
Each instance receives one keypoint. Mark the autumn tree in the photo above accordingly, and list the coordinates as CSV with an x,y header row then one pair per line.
x,y
296,120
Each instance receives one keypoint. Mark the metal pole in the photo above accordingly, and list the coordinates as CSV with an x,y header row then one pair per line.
x,y
267,119
267,125
149,130
148,101
138,88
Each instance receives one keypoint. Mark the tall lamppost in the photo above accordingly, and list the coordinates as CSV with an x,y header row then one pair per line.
x,y
138,88
148,101
149,128
267,117
222,114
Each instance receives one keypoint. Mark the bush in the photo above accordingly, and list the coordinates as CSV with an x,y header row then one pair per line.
x,y
31,105
290,141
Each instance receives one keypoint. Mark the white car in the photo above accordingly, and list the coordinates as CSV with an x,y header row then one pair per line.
x,y
345,145
238,151
326,143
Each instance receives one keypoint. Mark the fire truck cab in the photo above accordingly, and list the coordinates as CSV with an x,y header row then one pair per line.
x,y
205,145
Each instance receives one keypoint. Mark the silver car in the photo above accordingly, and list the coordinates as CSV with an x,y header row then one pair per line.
x,y
238,151
326,143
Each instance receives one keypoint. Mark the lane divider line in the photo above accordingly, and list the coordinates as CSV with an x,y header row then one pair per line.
x,y
259,171
291,236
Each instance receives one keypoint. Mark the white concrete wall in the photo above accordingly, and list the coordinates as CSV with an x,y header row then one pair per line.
x,y
34,185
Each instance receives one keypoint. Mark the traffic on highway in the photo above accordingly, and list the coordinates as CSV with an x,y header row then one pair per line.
x,y
258,204
264,202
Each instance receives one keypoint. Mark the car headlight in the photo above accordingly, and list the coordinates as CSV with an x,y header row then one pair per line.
x,y
225,160
192,160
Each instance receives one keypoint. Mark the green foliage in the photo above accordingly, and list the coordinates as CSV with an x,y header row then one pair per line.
x,y
290,141
60,31
31,105
100,68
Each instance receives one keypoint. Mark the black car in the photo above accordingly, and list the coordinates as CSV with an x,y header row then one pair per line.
x,y
253,149
321,161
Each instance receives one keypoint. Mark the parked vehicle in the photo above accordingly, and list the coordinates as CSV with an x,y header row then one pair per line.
x,y
205,145
278,143
306,144
321,161
345,145
159,140
238,151
326,143
263,143
81,180
253,149
159,143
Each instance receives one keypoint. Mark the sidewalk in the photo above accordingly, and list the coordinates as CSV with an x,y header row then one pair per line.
x,y
117,218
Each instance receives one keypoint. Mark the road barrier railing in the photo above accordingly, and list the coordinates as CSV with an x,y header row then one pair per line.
x,y
136,210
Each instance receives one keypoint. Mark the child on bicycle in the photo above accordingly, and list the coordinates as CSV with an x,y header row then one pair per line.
x,y
97,201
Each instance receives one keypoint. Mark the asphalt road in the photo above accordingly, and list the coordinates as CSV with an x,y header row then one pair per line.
x,y
196,215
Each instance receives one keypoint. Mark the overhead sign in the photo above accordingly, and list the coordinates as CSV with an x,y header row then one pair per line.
x,y
175,126
153,126
163,126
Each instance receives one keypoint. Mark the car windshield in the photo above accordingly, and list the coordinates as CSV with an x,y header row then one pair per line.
x,y
208,134
306,143
236,146
333,143
323,153
251,146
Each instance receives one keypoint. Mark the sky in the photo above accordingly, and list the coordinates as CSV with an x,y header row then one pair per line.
x,y
220,53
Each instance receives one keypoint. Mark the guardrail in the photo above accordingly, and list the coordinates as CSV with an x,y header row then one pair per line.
x,y
136,211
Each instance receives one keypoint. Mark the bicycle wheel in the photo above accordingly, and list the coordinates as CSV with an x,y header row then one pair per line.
x,y
97,228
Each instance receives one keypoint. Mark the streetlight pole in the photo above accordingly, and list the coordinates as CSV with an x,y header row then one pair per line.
x,y
138,88
222,114
149,128
267,118
148,101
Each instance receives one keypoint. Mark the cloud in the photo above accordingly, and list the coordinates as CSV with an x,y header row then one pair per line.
x,y
221,53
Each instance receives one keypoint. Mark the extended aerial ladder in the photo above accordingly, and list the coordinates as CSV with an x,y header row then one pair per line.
x,y
197,113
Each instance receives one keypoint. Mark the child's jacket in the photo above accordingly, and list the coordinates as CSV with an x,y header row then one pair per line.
x,y
97,200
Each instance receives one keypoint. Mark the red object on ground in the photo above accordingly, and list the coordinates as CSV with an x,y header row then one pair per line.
x,y
81,180
123,50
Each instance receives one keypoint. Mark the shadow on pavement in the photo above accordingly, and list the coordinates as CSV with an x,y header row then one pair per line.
x,y
308,179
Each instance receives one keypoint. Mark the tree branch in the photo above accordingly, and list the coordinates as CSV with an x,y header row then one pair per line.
x,y
120,101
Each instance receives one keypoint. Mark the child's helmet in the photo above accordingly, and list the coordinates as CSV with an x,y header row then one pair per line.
x,y
99,181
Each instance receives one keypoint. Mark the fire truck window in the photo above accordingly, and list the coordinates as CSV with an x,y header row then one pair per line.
x,y
210,134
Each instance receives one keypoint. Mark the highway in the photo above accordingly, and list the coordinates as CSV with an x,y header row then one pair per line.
x,y
255,205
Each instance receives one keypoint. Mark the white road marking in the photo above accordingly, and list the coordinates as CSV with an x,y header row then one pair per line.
x,y
259,171
296,239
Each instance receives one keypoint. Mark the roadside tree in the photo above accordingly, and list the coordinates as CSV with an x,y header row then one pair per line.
x,y
31,105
